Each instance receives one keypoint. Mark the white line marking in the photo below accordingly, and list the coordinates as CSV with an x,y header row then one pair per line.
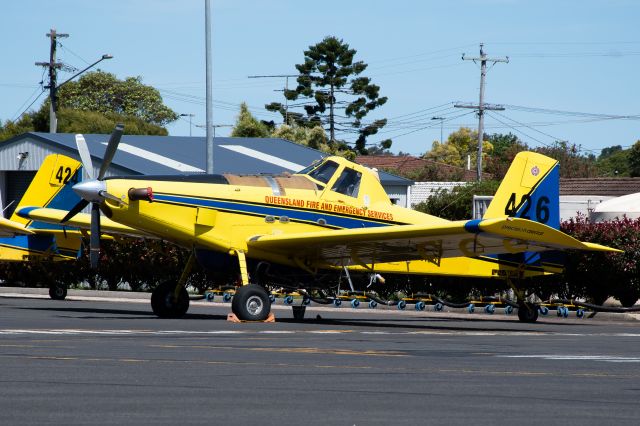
x,y
143,332
264,157
602,358
157,158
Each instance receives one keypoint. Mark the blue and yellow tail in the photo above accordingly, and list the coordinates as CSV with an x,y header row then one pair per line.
x,y
530,190
51,187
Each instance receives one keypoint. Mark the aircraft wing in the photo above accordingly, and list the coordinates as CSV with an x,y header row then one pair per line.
x,y
80,220
366,246
9,228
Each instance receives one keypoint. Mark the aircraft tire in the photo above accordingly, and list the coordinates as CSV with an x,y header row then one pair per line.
x,y
58,291
163,303
251,303
528,312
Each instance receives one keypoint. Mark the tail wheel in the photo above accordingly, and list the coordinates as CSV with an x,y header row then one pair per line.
x,y
165,304
58,291
527,312
251,303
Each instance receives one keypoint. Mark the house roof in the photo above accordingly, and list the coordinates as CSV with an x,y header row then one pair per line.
x,y
614,187
158,155
408,163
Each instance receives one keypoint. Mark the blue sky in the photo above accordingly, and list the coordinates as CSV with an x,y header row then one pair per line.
x,y
565,56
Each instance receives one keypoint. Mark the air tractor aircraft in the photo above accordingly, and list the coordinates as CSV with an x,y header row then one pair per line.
x,y
332,216
23,240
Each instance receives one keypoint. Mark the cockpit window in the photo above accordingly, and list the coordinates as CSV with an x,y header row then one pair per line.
x,y
348,183
310,167
324,172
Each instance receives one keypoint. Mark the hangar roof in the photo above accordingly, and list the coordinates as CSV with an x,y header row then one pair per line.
x,y
154,155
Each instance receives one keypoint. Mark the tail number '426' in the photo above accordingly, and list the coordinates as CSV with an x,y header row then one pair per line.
x,y
541,213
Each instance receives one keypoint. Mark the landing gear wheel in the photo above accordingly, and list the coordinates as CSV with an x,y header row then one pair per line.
x,y
251,303
165,304
58,291
527,312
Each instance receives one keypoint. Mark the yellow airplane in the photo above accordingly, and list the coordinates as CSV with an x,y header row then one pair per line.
x,y
332,216
23,240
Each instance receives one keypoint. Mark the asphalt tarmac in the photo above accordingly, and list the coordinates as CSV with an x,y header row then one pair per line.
x,y
110,361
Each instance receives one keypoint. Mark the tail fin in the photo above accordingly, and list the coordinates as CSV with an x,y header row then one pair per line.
x,y
529,190
51,187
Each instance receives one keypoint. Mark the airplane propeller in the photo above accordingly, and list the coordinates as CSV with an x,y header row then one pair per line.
x,y
94,191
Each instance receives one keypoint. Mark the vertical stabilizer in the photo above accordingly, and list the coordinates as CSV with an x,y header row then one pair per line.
x,y
529,190
51,187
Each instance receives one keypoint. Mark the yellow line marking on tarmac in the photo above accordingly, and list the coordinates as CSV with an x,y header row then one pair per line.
x,y
376,369
290,350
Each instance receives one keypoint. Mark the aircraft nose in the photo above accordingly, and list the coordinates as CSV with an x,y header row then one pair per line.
x,y
90,190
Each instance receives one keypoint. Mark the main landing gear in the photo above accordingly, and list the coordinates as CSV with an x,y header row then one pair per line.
x,y
170,299
527,312
251,303
58,291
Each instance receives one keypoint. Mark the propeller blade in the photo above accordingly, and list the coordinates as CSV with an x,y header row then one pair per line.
x,y
85,156
94,243
112,147
75,210
113,198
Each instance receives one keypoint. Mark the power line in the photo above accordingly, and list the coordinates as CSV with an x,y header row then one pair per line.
x,y
27,108
529,127
519,131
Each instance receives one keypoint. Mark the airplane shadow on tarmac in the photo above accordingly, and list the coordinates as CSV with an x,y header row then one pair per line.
x,y
413,323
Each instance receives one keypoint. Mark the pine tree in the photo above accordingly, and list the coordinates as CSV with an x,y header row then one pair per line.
x,y
329,80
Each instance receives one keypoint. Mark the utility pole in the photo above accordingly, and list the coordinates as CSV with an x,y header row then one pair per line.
x,y
53,83
190,117
53,71
481,107
286,88
209,122
441,121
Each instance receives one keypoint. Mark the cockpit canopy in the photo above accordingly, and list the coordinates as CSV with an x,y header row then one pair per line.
x,y
343,177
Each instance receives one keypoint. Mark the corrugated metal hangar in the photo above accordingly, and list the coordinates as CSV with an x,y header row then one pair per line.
x,y
21,156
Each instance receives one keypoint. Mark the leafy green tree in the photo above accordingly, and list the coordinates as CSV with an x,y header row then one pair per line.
x,y
248,126
458,145
75,121
634,159
609,151
613,161
10,128
329,79
457,204
94,103
505,148
572,163
102,92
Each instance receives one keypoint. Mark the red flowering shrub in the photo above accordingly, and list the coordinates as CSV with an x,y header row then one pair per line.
x,y
597,275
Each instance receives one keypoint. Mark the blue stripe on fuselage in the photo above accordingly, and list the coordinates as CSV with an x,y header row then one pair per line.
x,y
38,243
332,220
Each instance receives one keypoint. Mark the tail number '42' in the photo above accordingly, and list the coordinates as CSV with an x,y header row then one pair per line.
x,y
541,213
